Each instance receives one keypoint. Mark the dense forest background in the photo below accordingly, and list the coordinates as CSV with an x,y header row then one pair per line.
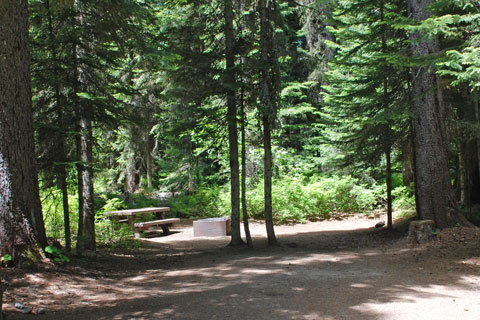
x,y
192,103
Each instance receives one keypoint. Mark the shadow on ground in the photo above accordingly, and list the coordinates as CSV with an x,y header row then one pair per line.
x,y
360,274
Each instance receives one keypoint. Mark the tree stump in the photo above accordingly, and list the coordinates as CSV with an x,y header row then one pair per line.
x,y
420,231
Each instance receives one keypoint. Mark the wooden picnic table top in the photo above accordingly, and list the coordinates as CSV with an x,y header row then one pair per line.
x,y
133,212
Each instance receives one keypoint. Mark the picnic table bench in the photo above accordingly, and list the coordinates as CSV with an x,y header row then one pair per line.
x,y
129,216
165,224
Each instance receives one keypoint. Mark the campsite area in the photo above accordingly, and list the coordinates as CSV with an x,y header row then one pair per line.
x,y
336,269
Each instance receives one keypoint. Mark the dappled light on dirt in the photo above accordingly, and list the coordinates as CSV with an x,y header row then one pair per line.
x,y
353,274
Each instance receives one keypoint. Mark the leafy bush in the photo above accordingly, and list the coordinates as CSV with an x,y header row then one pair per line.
x,y
203,203
403,198
296,201
113,234
52,208
57,254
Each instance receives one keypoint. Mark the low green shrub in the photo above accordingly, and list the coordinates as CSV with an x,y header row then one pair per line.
x,y
295,200
403,198
57,254
52,209
203,203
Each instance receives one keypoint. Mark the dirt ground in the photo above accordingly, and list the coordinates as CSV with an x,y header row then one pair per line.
x,y
324,270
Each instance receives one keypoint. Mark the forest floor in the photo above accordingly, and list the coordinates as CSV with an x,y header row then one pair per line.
x,y
339,269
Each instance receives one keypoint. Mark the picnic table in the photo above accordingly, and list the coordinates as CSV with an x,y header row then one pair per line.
x,y
131,215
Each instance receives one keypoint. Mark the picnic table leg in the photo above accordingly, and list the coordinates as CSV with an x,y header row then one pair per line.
x,y
165,229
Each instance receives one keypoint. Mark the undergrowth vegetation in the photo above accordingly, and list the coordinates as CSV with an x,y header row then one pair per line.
x,y
295,200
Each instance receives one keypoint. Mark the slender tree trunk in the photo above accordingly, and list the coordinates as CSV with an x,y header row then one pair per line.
x,y
61,173
267,162
86,239
244,173
435,196
389,190
149,162
464,180
86,224
243,182
79,187
232,124
21,220
267,97
477,119
388,126
62,185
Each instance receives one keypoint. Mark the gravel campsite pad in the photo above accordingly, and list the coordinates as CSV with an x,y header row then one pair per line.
x,y
339,269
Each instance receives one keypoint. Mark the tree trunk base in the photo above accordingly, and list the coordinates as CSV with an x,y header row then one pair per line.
x,y
420,231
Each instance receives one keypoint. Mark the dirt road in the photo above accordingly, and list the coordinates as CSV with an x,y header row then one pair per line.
x,y
323,270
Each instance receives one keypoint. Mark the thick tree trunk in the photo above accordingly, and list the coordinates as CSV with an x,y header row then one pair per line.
x,y
21,221
435,197
232,124
1,295
268,85
131,176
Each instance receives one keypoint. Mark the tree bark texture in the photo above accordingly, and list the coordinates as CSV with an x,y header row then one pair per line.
x,y
62,185
149,161
477,122
463,174
268,90
435,196
408,167
388,157
21,221
86,224
86,239
236,238
246,225
1,296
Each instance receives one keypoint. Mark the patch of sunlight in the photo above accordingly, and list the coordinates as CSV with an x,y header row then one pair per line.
x,y
426,302
261,272
316,258
361,285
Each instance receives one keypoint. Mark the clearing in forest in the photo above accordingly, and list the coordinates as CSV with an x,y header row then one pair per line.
x,y
324,270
